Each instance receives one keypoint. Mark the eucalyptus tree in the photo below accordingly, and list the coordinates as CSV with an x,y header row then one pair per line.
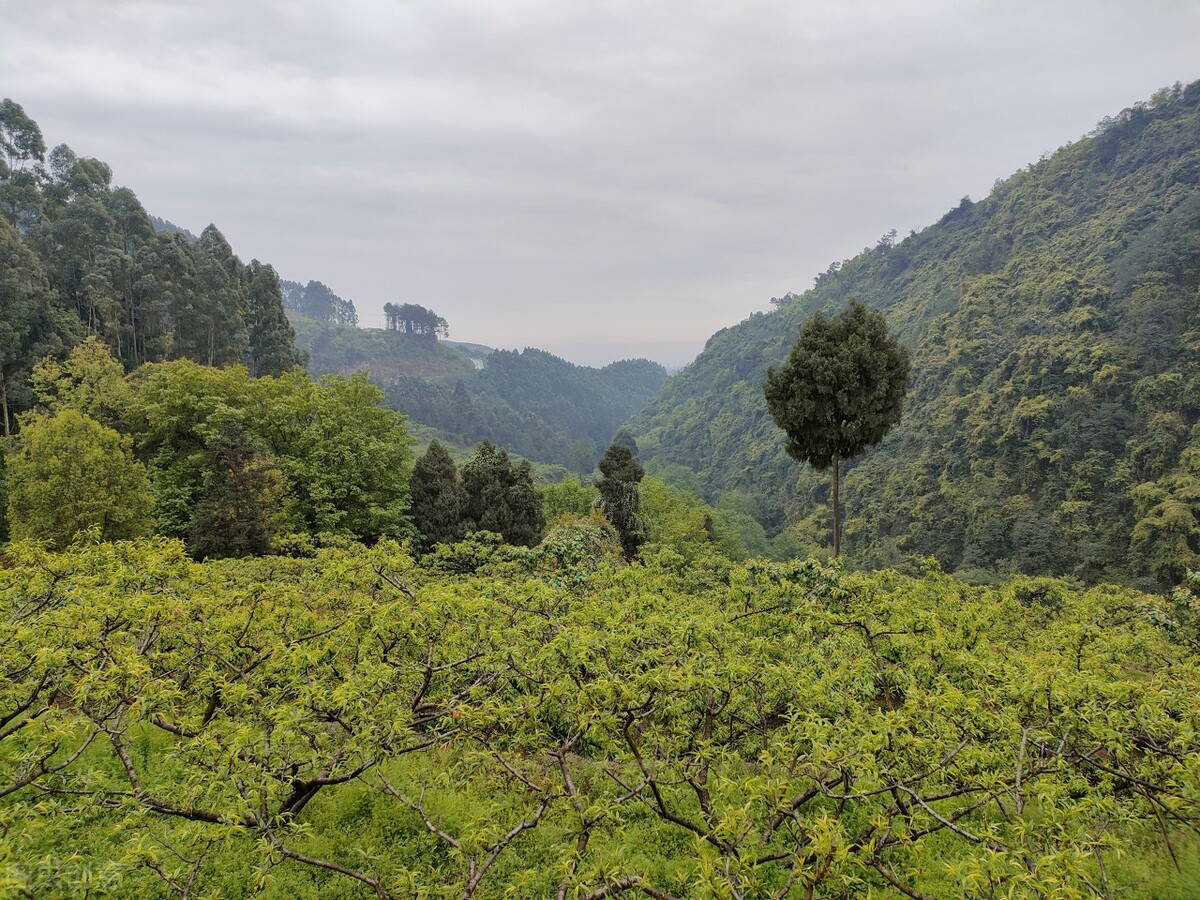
x,y
271,338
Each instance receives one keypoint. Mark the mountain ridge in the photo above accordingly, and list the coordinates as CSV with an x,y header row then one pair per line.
x,y
1051,325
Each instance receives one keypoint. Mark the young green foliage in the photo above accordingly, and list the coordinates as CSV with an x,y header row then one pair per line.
x,y
69,474
550,723
568,497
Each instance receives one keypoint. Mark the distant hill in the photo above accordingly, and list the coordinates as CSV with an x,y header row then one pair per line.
x,y
531,402
534,403
317,302
386,355
475,351
1051,423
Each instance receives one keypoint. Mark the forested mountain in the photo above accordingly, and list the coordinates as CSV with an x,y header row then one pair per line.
x,y
1051,421
530,401
80,256
534,403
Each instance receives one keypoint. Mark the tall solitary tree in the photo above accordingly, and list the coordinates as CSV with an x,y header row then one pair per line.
x,y
840,391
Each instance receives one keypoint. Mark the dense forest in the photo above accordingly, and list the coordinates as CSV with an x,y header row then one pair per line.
x,y
256,644
79,256
1051,421
530,401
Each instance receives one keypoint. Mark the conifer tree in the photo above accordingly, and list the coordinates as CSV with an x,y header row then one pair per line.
x,y
239,510
501,498
527,520
438,499
620,498
840,391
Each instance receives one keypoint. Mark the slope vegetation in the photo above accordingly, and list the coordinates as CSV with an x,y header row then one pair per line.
x,y
530,401
533,403
1051,419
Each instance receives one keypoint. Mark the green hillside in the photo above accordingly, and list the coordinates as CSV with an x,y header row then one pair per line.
x,y
344,349
1051,419
530,401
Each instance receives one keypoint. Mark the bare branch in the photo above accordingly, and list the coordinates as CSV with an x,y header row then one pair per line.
x,y
398,585
369,880
895,882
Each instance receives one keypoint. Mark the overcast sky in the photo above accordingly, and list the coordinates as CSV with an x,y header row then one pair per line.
x,y
602,180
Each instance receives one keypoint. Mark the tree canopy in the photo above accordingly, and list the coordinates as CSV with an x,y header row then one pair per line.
x,y
620,499
842,388
438,498
235,462
500,497
840,391
21,141
68,475
547,723
411,318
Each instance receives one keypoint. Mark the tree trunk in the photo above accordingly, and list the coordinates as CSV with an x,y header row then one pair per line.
x,y
837,519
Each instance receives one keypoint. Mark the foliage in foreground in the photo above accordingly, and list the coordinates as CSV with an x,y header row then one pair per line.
x,y
547,722
236,464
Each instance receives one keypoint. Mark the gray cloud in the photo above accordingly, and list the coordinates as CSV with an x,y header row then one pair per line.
x,y
592,178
